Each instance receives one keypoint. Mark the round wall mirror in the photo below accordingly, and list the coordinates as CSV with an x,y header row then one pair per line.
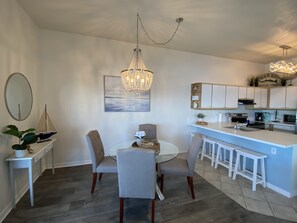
x,y
18,96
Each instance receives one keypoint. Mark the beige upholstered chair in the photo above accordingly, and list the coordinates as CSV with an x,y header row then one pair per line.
x,y
150,131
183,167
100,163
136,176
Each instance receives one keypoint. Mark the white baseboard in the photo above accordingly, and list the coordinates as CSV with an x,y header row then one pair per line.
x,y
69,164
281,191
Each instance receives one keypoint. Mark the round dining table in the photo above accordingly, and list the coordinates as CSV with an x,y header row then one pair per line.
x,y
168,151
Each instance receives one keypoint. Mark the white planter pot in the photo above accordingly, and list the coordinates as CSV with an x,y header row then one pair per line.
x,y
200,119
20,153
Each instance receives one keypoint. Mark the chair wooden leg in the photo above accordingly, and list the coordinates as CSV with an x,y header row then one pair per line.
x,y
121,209
190,181
94,182
161,179
100,176
153,210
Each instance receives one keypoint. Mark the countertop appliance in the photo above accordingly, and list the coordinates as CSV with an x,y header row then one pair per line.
x,y
289,119
239,117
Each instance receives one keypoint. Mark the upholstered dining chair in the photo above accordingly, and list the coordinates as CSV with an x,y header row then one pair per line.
x,y
150,131
183,167
100,163
136,176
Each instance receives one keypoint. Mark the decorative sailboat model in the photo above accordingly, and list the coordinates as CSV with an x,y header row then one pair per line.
x,y
45,128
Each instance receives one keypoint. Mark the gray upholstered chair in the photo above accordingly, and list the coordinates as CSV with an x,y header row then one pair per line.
x,y
183,167
100,163
150,131
136,176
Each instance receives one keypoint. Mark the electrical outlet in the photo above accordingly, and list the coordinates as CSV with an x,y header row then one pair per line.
x,y
273,150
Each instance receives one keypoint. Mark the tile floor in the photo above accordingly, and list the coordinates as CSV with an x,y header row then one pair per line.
x,y
263,200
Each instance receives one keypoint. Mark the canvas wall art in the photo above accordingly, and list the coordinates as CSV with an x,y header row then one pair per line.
x,y
117,99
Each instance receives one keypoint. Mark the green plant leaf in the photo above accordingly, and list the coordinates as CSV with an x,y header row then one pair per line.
x,y
13,132
29,138
12,127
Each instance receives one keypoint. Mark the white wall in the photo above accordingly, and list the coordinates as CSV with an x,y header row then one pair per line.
x,y
18,53
73,67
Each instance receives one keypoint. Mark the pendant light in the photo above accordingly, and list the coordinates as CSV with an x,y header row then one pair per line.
x,y
137,78
282,66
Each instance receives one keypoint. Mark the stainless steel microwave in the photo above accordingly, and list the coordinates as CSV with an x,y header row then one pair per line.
x,y
290,119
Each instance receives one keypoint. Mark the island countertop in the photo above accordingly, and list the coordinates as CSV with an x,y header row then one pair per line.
x,y
274,138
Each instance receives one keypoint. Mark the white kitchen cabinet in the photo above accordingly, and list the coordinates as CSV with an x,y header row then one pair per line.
x,y
242,92
264,97
260,98
277,98
250,92
231,97
206,95
218,96
291,97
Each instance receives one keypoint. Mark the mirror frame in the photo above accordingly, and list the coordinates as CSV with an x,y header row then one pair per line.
x,y
6,98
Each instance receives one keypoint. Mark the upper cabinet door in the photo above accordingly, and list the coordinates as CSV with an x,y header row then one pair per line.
x,y
242,92
218,96
231,97
277,98
250,92
257,99
291,97
206,93
260,99
264,97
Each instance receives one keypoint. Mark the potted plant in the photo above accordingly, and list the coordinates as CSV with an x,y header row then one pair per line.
x,y
251,80
26,138
283,80
200,117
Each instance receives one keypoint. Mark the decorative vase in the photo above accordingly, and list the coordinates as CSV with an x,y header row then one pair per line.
x,y
20,153
200,119
139,141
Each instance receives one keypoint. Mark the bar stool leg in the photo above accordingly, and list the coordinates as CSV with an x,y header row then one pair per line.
x,y
263,172
218,156
230,162
203,149
212,154
255,174
236,166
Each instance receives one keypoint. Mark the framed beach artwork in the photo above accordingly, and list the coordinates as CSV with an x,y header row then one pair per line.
x,y
117,99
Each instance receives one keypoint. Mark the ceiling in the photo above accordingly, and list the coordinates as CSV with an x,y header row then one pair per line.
x,y
248,30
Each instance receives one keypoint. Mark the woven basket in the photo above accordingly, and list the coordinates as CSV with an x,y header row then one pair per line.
x,y
154,145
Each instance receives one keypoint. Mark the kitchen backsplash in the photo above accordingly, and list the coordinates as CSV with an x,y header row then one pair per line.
x,y
214,115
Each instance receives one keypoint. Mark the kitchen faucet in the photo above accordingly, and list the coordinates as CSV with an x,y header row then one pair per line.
x,y
275,118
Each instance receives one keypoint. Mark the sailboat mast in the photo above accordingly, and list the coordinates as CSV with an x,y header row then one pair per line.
x,y
45,109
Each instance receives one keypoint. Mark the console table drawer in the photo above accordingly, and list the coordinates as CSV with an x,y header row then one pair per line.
x,y
39,156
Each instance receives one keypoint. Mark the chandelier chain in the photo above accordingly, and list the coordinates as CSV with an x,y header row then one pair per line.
x,y
178,20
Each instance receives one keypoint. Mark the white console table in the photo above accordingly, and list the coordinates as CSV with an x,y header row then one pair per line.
x,y
39,151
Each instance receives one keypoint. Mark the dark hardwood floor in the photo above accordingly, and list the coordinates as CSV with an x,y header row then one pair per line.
x,y
66,197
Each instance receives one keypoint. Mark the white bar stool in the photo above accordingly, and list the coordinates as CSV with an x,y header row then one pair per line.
x,y
222,156
208,148
251,175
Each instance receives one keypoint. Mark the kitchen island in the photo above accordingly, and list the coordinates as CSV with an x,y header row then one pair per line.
x,y
281,149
